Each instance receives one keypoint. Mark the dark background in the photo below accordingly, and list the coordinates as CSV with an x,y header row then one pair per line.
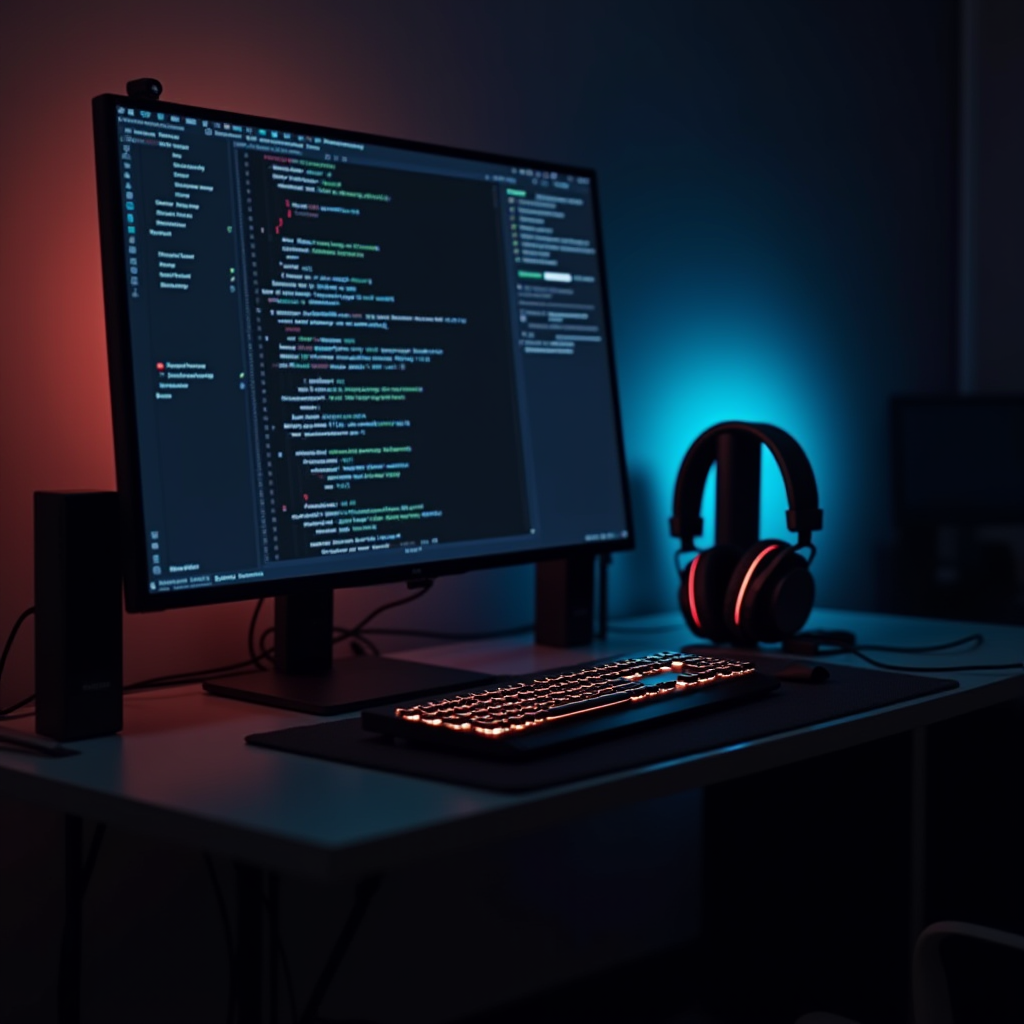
x,y
808,208
800,221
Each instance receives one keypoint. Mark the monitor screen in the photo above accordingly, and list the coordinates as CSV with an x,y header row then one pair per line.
x,y
348,359
957,459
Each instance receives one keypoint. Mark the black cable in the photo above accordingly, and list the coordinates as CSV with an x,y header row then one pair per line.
x,y
25,714
358,642
93,855
420,588
3,657
433,634
365,891
241,668
226,925
253,663
13,633
265,651
358,633
195,675
248,667
271,902
257,657
69,957
17,705
975,640
935,668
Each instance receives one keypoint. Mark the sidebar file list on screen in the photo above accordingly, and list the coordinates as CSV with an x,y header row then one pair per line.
x,y
561,335
348,356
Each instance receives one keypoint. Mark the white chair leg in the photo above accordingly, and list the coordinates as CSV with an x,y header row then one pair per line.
x,y
931,993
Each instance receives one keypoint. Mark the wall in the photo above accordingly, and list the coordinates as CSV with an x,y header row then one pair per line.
x,y
992,228
779,209
779,201
992,225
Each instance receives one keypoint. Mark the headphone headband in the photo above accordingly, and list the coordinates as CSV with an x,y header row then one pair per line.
x,y
803,515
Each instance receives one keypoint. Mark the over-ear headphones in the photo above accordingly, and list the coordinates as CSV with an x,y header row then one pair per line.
x,y
745,590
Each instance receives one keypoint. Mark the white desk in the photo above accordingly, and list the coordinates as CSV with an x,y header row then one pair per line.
x,y
180,770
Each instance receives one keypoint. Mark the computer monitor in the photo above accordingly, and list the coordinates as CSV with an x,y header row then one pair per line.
x,y
338,359
957,460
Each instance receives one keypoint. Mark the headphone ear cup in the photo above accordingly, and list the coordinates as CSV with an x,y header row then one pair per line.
x,y
702,586
770,594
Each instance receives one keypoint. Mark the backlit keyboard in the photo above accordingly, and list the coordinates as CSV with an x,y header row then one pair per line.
x,y
517,717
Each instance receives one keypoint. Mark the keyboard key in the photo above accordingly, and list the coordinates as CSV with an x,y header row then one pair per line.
x,y
524,716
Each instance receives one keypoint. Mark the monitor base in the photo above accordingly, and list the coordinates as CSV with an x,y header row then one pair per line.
x,y
352,684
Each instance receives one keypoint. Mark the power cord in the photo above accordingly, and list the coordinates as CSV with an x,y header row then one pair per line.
x,y
272,905
934,668
253,664
69,954
241,668
4,712
827,645
8,712
225,922
365,891
257,657
433,634
420,589
261,653
271,908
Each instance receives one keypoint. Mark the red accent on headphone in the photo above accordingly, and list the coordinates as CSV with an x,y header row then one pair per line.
x,y
691,592
746,579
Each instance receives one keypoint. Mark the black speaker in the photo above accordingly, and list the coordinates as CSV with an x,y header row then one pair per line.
x,y
565,602
78,614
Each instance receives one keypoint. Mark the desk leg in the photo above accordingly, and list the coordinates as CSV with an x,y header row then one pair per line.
x,y
918,828
69,981
249,963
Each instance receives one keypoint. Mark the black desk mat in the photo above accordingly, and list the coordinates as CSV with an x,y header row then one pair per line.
x,y
848,691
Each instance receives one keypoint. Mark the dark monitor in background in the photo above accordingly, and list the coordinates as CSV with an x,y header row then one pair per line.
x,y
339,360
958,460
958,487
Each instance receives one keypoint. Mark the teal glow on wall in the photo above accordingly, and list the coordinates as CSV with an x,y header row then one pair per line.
x,y
690,372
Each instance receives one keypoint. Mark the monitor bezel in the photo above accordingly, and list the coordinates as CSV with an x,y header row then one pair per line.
x,y
138,596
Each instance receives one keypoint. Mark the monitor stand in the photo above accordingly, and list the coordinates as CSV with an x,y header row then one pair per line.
x,y
307,678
